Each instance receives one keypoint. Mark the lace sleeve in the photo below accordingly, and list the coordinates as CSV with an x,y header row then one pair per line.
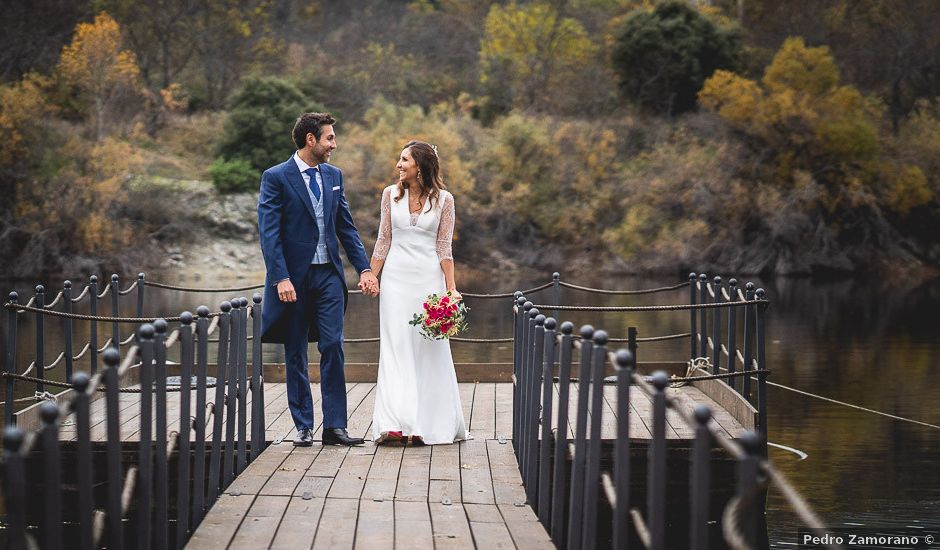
x,y
445,231
384,241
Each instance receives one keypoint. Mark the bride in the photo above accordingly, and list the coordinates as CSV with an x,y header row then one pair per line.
x,y
416,395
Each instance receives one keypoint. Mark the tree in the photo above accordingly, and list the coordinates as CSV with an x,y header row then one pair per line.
x,y
532,50
663,57
98,67
261,114
800,112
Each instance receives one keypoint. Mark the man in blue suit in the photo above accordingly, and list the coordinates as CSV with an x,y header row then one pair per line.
x,y
302,218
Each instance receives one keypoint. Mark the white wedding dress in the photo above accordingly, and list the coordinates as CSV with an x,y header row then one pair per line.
x,y
416,393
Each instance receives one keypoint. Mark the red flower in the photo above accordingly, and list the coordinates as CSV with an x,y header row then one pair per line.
x,y
445,328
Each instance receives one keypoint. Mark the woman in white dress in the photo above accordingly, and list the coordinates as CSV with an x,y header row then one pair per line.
x,y
416,394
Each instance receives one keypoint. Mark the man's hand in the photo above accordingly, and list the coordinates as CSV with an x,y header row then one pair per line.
x,y
285,291
368,284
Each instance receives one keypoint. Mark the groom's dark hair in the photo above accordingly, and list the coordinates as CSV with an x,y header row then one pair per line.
x,y
310,123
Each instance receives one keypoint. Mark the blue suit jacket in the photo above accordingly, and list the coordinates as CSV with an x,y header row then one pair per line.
x,y
288,228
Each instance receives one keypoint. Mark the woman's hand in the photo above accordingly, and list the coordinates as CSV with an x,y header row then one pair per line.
x,y
455,295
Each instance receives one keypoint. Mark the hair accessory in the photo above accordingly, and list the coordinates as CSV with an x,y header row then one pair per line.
x,y
434,148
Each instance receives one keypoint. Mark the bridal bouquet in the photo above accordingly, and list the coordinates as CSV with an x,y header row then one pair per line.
x,y
443,317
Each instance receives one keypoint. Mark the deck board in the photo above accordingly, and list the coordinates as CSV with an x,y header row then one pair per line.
x,y
445,496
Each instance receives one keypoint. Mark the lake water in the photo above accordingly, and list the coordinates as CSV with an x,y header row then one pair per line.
x,y
872,344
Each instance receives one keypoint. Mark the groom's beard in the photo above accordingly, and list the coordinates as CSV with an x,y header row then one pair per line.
x,y
321,154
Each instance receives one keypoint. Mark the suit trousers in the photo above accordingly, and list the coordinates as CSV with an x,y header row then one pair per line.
x,y
320,300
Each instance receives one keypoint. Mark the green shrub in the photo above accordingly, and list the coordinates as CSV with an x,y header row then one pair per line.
x,y
261,115
663,57
234,176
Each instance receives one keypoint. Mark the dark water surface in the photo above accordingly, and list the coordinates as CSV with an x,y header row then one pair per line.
x,y
872,344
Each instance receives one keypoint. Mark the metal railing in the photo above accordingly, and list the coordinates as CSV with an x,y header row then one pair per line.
x,y
563,479
137,504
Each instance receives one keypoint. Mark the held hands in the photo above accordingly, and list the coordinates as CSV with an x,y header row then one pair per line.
x,y
369,284
285,291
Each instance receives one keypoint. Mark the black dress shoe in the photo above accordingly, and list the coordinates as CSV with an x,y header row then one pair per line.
x,y
304,438
338,436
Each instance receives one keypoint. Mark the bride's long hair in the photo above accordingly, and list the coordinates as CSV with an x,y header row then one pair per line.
x,y
430,181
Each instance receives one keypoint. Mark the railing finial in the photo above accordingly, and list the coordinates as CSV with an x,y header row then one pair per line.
x,y
49,412
567,328
80,381
601,338
160,326
112,357
202,311
550,323
186,318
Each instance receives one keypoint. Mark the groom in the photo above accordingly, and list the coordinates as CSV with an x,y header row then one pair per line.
x,y
302,218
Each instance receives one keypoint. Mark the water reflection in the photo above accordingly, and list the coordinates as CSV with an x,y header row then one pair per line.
x,y
869,343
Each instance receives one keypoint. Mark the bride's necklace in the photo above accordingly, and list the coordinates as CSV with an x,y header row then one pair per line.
x,y
414,204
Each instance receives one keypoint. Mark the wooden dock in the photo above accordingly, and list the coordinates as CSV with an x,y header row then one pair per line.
x,y
445,496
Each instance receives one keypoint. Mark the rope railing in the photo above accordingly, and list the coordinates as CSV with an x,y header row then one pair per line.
x,y
673,307
55,301
129,289
81,296
621,292
101,318
107,289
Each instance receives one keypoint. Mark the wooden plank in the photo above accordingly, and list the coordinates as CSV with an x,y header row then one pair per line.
x,y
491,536
413,478
258,528
285,478
476,482
722,418
361,418
444,483
484,411
328,461
337,524
638,429
378,526
313,487
524,527
383,473
483,513
725,397
644,408
450,527
466,400
221,523
412,525
504,411
507,483
299,525
351,477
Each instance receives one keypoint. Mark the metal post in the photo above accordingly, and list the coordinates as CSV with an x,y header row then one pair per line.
x,y
692,328
160,472
85,473
199,457
532,411
524,373
242,365
40,369
231,397
626,365
761,322
732,333
115,311
67,322
182,463
517,347
218,407
51,520
656,481
703,294
576,507
93,325
115,475
556,292
592,478
257,380
547,389
716,328
560,477
144,483
141,283
522,315
748,337
14,490
10,364
747,489
699,480
631,342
